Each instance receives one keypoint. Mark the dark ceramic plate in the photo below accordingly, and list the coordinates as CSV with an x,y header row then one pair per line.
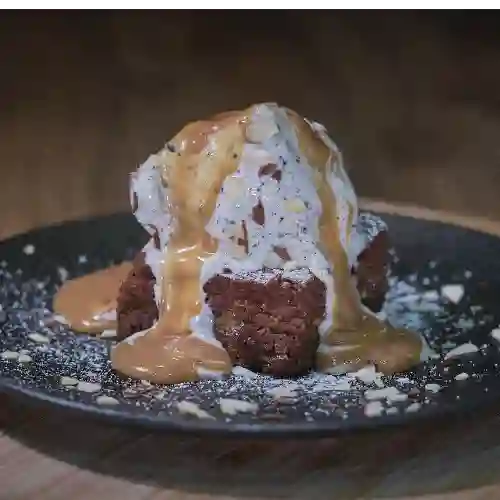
x,y
428,256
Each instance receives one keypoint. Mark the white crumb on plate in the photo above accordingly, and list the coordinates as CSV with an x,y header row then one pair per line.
x,y
189,408
29,249
82,259
88,387
468,274
108,334
434,388
369,375
403,380
392,410
413,407
432,295
39,338
69,381
205,374
495,334
453,293
374,409
60,319
391,394
240,371
233,406
462,376
9,355
462,350
63,273
106,400
24,358
283,391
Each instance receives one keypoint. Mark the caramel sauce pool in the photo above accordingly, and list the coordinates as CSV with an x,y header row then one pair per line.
x,y
87,302
194,167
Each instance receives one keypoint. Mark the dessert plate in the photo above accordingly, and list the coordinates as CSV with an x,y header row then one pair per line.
x,y
445,283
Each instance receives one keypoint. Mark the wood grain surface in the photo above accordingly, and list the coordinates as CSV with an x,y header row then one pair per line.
x,y
413,101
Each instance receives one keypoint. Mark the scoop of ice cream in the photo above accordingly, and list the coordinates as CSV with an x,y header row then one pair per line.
x,y
248,182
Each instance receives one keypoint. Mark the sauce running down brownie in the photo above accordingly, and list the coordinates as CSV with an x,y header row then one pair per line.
x,y
257,256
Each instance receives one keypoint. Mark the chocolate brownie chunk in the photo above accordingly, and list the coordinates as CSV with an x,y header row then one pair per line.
x,y
372,270
136,307
268,320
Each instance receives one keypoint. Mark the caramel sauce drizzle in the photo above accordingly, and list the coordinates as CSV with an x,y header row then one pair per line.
x,y
358,337
194,167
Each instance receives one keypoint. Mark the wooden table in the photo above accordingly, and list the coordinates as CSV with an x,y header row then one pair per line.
x,y
413,102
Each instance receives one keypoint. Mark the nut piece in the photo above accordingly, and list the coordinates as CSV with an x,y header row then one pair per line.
x,y
106,400
38,337
234,406
88,387
68,381
108,334
189,408
260,129
9,355
295,205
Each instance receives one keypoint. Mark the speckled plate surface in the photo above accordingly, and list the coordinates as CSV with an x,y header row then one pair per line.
x,y
38,354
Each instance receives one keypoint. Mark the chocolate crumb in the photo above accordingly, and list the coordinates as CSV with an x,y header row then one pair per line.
x,y
282,252
135,202
268,169
171,147
277,176
244,241
156,236
258,214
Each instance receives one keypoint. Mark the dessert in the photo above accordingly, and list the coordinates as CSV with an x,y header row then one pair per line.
x,y
257,256
267,320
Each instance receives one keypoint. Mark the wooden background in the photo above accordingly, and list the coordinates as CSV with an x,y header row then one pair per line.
x,y
412,99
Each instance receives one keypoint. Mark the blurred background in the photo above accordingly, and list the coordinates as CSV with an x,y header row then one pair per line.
x,y
413,99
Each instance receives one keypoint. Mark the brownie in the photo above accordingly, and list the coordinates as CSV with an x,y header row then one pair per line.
x,y
372,271
136,307
268,320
